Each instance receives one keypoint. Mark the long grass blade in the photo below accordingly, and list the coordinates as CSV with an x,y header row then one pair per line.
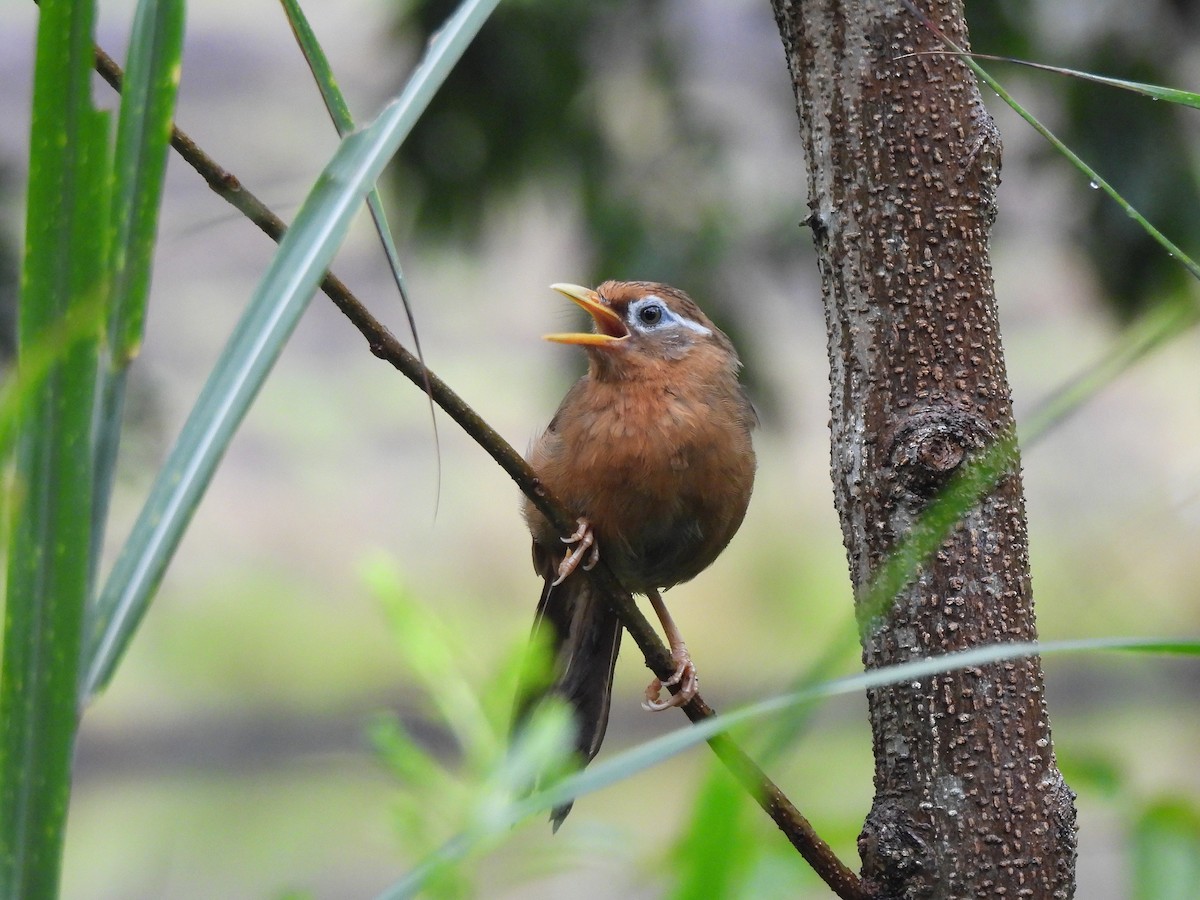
x,y
654,752
140,165
651,753
280,299
64,279
1094,177
1153,91
343,121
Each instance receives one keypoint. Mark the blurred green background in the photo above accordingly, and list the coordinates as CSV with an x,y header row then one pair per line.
x,y
231,758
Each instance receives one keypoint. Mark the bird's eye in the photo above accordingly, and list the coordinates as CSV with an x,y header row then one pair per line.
x,y
650,314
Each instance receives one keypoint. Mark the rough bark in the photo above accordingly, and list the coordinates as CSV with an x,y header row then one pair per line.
x,y
903,166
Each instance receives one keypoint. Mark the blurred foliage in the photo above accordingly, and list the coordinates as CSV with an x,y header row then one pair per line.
x,y
717,846
574,99
1141,147
582,99
467,779
1166,851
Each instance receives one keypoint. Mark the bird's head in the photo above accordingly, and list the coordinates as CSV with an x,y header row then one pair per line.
x,y
641,322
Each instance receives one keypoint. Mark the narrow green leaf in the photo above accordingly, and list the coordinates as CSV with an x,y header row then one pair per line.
x,y
39,358
1154,91
1094,177
64,281
434,657
256,343
1167,320
409,762
318,62
343,121
143,140
140,165
651,753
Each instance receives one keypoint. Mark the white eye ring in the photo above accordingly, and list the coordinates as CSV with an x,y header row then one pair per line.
x,y
666,317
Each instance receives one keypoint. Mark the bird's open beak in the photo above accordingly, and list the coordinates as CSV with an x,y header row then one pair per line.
x,y
609,326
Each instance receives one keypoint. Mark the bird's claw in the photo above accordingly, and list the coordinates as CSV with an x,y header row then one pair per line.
x,y
684,675
585,545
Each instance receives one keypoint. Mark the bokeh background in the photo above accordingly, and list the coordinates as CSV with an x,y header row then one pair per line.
x,y
626,138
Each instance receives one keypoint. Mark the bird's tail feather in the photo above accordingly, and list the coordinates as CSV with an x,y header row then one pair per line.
x,y
583,636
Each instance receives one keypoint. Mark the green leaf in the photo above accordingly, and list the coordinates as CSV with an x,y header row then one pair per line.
x,y
318,62
651,753
435,654
258,339
410,763
140,165
1094,177
339,112
343,121
64,282
1166,852
1154,91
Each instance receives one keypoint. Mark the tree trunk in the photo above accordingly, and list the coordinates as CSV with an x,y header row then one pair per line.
x,y
903,165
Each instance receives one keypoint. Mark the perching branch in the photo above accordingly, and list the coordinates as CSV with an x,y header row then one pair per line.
x,y
383,344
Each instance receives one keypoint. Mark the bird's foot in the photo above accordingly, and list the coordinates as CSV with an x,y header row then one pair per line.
x,y
585,545
685,676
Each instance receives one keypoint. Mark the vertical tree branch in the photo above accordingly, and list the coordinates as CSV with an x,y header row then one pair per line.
x,y
903,166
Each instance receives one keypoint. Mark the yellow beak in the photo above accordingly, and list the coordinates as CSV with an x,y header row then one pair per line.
x,y
609,326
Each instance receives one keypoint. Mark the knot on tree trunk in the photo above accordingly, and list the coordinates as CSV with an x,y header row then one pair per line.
x,y
892,842
929,446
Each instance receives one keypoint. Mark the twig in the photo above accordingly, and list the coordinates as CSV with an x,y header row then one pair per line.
x,y
844,882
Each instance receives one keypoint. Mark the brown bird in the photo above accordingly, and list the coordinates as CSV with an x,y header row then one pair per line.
x,y
651,450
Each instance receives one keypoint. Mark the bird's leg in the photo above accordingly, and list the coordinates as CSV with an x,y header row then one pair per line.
x,y
685,672
584,541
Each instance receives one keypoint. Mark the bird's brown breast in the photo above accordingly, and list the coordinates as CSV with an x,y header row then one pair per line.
x,y
662,468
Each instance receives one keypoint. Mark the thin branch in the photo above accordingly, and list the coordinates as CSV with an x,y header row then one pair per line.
x,y
383,344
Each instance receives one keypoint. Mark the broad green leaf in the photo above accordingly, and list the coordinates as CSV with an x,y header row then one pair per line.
x,y
64,282
258,339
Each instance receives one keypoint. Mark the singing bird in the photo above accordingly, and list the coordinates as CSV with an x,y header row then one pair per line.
x,y
651,450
